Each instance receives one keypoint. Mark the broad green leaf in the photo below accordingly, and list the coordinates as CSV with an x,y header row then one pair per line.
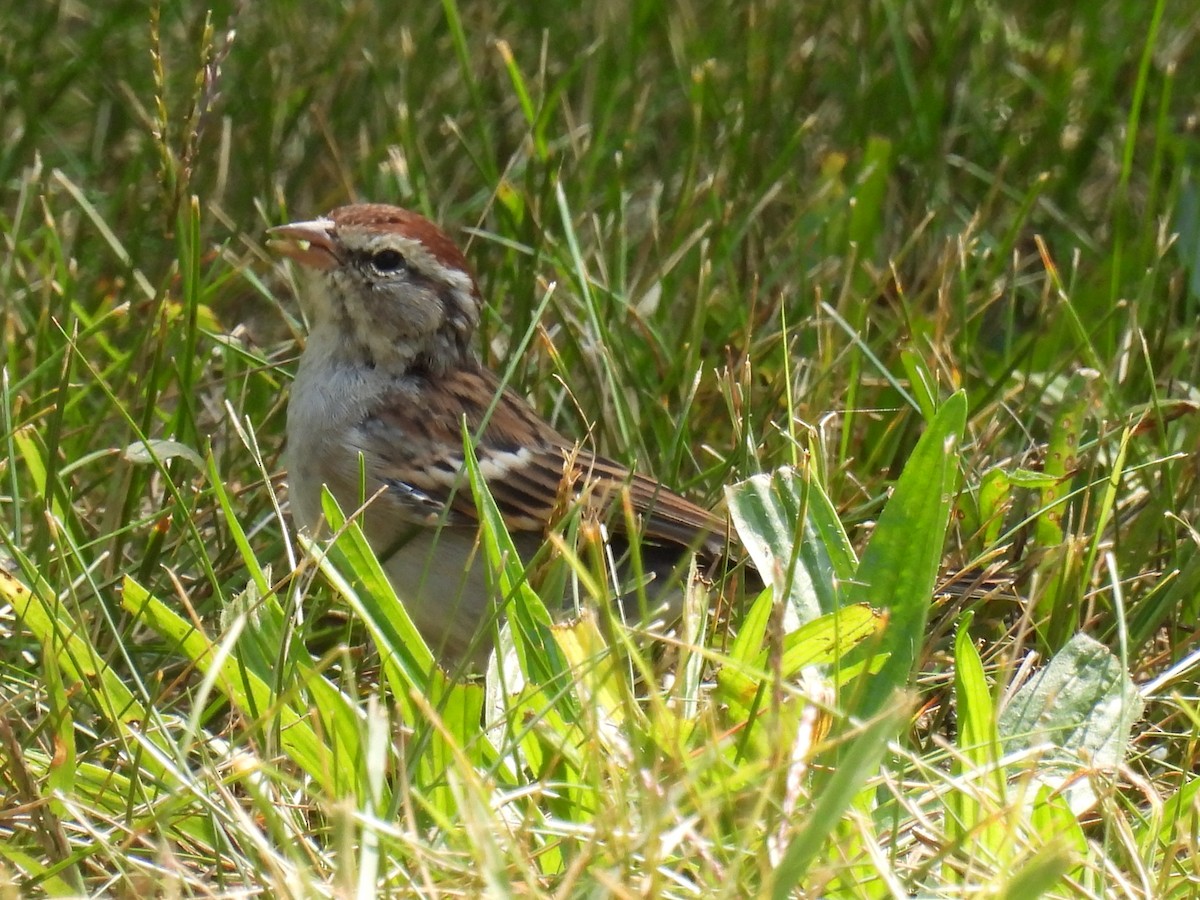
x,y
62,719
900,565
1083,702
62,635
1081,708
791,531
823,641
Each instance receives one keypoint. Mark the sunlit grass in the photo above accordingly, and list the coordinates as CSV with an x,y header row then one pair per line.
x,y
940,260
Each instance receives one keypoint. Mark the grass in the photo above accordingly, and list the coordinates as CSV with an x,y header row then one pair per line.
x,y
940,260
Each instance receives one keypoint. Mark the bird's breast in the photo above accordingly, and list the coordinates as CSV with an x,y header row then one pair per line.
x,y
328,400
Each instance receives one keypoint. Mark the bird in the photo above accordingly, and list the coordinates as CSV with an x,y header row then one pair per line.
x,y
386,379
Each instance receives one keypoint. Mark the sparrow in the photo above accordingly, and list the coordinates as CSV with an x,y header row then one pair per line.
x,y
386,379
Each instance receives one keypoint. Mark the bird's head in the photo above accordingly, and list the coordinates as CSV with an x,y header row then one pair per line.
x,y
389,281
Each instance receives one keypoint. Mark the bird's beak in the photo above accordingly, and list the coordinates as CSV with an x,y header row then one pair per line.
x,y
310,243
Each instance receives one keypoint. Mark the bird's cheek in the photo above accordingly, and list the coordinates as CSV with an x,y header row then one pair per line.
x,y
420,317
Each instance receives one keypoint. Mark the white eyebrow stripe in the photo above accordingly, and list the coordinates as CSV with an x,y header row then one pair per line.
x,y
418,257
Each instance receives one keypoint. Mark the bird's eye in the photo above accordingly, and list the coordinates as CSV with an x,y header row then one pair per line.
x,y
388,260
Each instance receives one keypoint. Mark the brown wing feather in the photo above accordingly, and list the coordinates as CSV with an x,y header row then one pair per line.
x,y
523,459
666,516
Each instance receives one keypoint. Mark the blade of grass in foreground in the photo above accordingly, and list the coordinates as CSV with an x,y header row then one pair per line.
x,y
900,565
528,617
859,763
316,750
974,820
419,684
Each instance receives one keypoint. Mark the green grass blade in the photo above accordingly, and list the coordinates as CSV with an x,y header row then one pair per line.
x,y
857,765
900,565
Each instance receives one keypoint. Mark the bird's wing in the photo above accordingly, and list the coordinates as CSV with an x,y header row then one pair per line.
x,y
533,472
